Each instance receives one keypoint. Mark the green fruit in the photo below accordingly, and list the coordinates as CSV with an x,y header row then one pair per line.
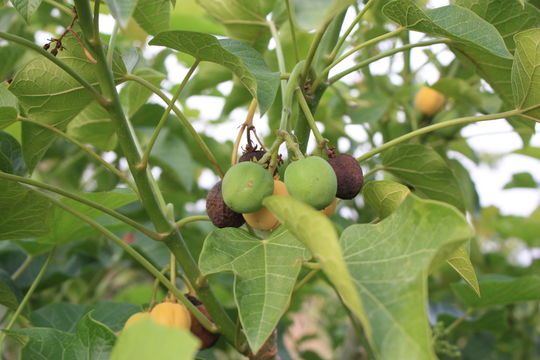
x,y
312,180
245,186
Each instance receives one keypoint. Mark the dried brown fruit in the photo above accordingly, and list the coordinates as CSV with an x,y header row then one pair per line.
x,y
207,338
349,176
220,214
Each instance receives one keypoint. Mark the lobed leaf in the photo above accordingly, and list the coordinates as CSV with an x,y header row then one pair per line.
x,y
390,261
265,273
384,196
11,158
153,15
8,107
526,73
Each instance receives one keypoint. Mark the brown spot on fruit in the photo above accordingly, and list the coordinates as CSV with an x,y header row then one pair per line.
x,y
207,338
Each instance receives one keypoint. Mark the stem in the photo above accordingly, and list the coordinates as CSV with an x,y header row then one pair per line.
x,y
180,223
144,162
84,148
430,128
155,288
27,296
139,258
112,43
306,279
247,123
290,15
313,49
60,7
182,119
325,72
174,241
23,267
81,200
280,58
321,141
30,45
342,39
291,144
172,272
292,85
366,62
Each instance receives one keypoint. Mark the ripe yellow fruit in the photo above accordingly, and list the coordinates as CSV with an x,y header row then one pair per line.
x,y
329,210
263,219
135,318
428,101
171,314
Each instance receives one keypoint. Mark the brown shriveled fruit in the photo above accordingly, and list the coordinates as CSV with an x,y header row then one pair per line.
x,y
207,338
349,176
219,213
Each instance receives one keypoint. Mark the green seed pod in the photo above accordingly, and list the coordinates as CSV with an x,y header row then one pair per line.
x,y
245,186
312,180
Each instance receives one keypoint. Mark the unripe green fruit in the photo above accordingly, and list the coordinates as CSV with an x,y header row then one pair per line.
x,y
312,180
245,186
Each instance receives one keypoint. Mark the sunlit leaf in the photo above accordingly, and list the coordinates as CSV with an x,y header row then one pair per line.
x,y
153,15
26,7
526,73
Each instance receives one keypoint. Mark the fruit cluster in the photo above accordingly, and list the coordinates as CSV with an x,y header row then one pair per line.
x,y
178,316
239,196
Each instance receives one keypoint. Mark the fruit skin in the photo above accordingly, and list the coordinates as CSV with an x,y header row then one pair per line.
x,y
207,338
263,219
245,186
329,210
312,180
428,101
135,318
171,314
349,176
219,213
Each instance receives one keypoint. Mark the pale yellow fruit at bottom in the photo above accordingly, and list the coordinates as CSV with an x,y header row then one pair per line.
x,y
171,314
428,101
135,318
263,219
329,210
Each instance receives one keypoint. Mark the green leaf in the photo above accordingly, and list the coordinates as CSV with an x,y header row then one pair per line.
x,y
265,273
94,126
424,170
26,7
526,73
371,108
24,213
453,22
121,10
11,159
509,17
148,340
390,262
8,107
134,95
65,316
458,89
384,196
243,20
153,15
498,291
309,14
66,227
9,293
238,57
318,234
460,261
521,180
531,151
50,95
92,340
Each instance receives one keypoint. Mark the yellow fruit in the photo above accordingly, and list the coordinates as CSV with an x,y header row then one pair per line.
x,y
329,210
171,314
135,318
429,101
263,219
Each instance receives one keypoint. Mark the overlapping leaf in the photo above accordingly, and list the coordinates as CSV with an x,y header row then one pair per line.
x,y
390,262
8,107
50,95
9,293
318,234
121,10
453,22
11,158
265,274
93,125
26,7
24,213
526,73
497,291
241,59
153,15
424,170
